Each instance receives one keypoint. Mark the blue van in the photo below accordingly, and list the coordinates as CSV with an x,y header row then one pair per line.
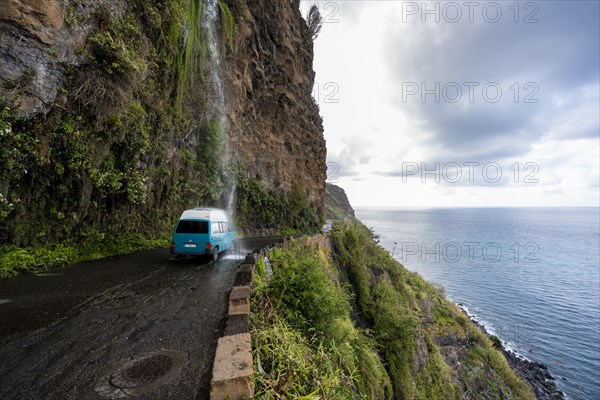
x,y
202,231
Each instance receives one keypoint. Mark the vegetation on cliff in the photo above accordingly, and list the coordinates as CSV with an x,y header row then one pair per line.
x,y
411,343
122,154
130,140
109,170
259,207
337,205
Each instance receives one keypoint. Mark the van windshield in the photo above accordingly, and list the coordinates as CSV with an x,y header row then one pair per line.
x,y
192,227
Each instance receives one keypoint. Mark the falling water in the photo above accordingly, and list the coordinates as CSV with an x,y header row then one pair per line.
x,y
210,24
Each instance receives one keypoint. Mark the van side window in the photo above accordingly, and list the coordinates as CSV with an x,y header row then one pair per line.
x,y
225,227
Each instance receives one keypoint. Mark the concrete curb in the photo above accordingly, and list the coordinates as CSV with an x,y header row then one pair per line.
x,y
232,373
232,370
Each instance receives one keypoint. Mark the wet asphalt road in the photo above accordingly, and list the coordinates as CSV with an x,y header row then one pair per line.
x,y
59,333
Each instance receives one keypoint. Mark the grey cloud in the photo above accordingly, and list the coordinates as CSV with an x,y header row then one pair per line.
x,y
560,54
354,154
339,168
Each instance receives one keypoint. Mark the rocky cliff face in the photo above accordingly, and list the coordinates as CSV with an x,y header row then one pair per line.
x,y
106,121
337,205
40,41
32,32
276,130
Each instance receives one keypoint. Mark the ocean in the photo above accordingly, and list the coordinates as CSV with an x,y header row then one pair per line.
x,y
529,275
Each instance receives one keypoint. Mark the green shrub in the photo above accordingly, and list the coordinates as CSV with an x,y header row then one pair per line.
x,y
111,54
288,365
301,289
15,260
496,342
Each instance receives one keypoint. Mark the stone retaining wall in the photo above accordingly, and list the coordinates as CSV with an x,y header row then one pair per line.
x,y
232,376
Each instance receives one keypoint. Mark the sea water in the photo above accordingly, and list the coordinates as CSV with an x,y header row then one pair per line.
x,y
530,275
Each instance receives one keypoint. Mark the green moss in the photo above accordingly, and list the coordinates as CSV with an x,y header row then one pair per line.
x,y
191,41
228,27
70,18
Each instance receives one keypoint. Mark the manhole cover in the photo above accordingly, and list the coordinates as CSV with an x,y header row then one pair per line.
x,y
140,374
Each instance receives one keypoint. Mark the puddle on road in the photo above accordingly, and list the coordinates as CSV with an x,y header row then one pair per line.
x,y
2,301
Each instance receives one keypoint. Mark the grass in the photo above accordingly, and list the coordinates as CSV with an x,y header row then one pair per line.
x,y
418,346
305,344
15,260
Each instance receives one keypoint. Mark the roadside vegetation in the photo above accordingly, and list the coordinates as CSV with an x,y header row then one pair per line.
x,y
288,213
412,343
305,343
15,260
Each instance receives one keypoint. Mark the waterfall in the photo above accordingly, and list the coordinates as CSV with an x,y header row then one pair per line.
x,y
216,110
210,19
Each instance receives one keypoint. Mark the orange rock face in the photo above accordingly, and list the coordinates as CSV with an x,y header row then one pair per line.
x,y
39,17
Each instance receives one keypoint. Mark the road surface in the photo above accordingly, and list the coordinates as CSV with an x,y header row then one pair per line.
x,y
83,332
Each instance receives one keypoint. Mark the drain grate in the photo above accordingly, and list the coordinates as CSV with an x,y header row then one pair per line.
x,y
141,374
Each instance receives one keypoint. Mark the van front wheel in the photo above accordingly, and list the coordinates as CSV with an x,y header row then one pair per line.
x,y
215,254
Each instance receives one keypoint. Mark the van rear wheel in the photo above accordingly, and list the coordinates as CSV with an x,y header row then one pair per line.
x,y
215,254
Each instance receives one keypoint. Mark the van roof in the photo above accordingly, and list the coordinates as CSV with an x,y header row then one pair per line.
x,y
205,213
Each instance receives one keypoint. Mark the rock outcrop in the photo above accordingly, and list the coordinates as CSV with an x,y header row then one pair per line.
x,y
276,130
39,42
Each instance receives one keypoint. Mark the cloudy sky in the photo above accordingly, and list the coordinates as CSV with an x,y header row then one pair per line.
x,y
461,103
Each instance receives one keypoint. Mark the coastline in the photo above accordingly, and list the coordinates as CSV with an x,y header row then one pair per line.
x,y
542,382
